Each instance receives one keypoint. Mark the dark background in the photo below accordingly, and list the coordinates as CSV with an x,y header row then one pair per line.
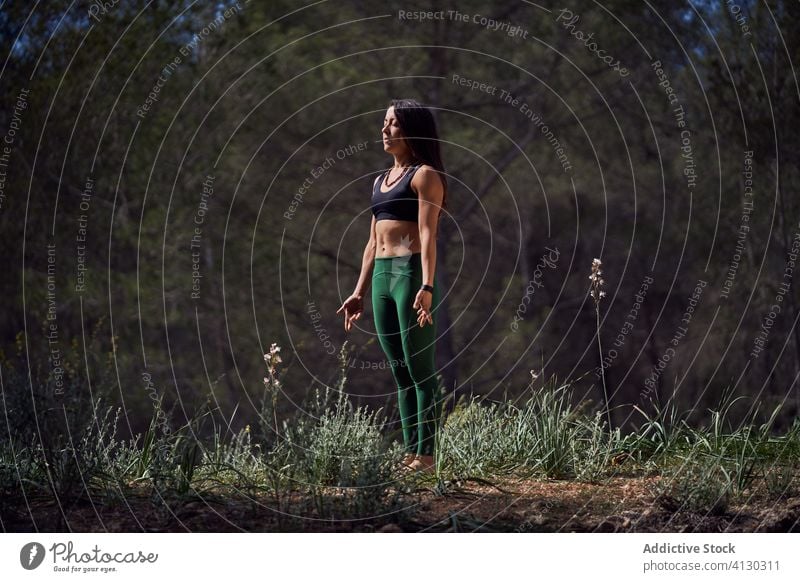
x,y
275,88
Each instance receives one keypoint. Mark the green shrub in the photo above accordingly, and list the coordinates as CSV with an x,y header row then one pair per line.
x,y
700,486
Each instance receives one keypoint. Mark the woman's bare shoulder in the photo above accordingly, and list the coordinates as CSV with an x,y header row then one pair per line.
x,y
426,176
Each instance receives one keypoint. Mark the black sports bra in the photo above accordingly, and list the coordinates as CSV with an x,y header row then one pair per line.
x,y
400,202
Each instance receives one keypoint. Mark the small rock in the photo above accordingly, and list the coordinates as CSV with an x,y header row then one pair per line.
x,y
538,519
391,528
648,512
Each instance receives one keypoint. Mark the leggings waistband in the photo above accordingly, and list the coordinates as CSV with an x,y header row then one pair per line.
x,y
412,256
402,265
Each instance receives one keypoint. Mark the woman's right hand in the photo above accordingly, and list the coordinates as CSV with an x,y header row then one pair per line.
x,y
353,307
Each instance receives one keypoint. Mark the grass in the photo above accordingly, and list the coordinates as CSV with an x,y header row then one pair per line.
x,y
334,461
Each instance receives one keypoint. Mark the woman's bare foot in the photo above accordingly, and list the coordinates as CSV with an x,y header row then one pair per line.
x,y
404,466
424,463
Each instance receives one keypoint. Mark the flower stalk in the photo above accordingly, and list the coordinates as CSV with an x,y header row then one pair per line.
x,y
271,381
597,294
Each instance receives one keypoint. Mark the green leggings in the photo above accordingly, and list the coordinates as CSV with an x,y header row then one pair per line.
x,y
409,347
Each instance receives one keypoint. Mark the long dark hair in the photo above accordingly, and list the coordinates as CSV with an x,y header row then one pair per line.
x,y
419,130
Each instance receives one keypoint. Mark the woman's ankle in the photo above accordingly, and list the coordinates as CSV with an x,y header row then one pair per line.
x,y
426,461
408,458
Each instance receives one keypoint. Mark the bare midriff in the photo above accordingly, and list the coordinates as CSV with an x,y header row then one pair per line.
x,y
396,238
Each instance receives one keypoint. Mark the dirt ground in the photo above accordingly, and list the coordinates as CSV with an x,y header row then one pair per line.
x,y
621,504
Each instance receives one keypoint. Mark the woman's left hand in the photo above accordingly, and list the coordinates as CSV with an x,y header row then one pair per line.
x,y
422,304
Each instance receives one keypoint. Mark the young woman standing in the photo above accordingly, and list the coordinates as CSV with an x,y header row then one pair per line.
x,y
400,263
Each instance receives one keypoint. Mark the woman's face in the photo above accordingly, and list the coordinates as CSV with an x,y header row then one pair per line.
x,y
393,141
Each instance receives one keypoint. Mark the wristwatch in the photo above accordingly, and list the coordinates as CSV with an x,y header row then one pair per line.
x,y
426,288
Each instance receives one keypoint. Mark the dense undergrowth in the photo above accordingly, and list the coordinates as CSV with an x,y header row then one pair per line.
x,y
335,460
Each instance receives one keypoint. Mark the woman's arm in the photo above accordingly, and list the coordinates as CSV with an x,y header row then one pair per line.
x,y
431,193
367,263
353,306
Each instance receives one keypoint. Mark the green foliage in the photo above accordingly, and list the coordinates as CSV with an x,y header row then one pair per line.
x,y
700,486
260,115
337,457
706,469
545,436
270,108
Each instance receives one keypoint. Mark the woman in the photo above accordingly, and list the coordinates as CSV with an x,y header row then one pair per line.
x,y
400,262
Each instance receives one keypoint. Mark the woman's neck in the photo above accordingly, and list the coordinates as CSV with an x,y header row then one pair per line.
x,y
404,161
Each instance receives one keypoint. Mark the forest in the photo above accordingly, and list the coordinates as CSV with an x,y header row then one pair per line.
x,y
184,203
